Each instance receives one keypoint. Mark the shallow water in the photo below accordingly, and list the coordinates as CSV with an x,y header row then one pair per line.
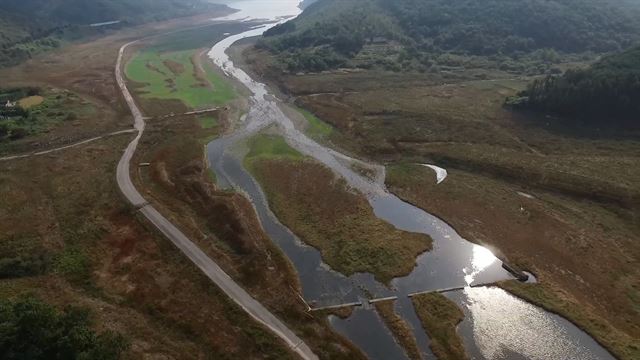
x,y
453,261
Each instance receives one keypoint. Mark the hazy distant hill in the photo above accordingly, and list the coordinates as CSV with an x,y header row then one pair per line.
x,y
29,26
606,94
516,35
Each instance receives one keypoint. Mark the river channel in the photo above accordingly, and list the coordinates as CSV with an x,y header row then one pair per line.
x,y
497,325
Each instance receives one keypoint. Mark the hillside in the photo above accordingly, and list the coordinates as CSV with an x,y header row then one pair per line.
x,y
606,93
513,35
30,26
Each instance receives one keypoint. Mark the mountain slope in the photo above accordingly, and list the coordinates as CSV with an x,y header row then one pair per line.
x,y
30,26
418,34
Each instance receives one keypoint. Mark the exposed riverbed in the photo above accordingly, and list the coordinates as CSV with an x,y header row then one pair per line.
x,y
497,325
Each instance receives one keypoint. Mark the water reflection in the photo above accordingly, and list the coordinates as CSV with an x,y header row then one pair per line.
x,y
481,259
502,326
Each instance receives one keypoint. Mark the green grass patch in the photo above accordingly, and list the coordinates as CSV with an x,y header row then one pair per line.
x,y
269,147
173,75
74,264
316,128
208,122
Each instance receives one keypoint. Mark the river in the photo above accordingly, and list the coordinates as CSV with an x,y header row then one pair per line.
x,y
497,325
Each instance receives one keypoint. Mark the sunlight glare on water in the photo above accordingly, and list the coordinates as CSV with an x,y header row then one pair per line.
x,y
503,325
482,258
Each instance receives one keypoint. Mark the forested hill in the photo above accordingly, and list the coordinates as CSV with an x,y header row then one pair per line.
x,y
515,35
29,26
606,94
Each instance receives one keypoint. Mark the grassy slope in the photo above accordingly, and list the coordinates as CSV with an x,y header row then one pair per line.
x,y
326,214
439,317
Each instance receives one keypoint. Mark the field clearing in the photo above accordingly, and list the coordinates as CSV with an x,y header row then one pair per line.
x,y
320,208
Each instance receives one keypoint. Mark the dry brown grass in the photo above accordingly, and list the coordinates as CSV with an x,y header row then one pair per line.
x,y
320,207
580,236
161,302
132,279
399,328
225,226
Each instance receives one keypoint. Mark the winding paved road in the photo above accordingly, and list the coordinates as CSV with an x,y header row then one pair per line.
x,y
197,256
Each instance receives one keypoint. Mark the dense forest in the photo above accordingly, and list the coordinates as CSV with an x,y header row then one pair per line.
x,y
607,93
524,36
30,26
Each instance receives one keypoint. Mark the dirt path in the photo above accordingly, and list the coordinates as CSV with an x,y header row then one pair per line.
x,y
14,157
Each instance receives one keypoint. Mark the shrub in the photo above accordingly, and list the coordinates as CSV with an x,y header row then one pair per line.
x,y
31,329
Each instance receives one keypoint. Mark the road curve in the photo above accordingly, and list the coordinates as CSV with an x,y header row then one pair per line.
x,y
192,251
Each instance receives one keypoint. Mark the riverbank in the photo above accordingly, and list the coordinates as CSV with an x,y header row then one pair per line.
x,y
490,156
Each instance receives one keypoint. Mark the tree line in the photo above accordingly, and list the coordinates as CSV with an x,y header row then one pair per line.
x,y
607,93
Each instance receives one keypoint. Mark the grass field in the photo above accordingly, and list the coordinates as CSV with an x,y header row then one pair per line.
x,y
208,122
270,147
316,128
178,75
439,317
322,209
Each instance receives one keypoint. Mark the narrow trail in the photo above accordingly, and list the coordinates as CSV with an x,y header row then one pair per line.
x,y
212,270
86,141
